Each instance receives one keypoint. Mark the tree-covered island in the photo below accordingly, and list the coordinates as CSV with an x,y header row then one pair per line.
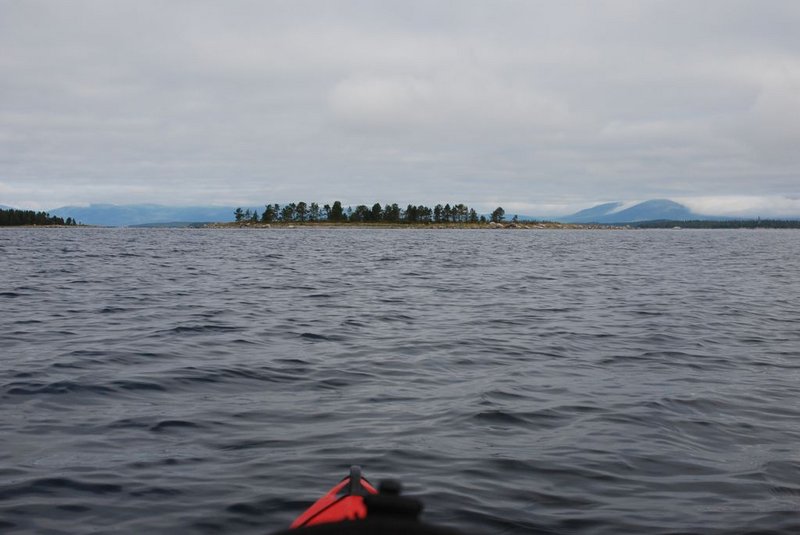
x,y
391,214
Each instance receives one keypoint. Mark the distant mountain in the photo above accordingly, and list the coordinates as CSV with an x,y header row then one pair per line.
x,y
591,215
656,209
112,215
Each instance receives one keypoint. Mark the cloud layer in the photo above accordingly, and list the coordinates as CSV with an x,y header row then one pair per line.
x,y
544,106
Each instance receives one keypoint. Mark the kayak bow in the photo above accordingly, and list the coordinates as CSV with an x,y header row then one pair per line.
x,y
355,507
345,501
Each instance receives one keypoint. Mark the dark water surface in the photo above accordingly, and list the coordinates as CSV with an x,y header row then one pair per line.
x,y
193,381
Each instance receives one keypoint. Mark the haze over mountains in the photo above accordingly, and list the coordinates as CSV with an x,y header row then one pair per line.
x,y
619,212
113,215
146,214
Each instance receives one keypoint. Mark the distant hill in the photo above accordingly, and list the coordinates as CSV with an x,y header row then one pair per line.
x,y
112,215
591,215
656,209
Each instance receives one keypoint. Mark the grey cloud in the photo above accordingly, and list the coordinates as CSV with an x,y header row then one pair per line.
x,y
545,105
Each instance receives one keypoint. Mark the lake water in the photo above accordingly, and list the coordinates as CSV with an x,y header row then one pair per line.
x,y
208,381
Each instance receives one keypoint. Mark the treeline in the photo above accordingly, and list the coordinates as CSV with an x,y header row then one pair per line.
x,y
16,218
732,224
302,212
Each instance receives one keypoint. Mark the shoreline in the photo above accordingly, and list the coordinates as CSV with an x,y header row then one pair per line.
x,y
419,226
324,225
342,226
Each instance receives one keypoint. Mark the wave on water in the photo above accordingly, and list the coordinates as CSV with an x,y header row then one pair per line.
x,y
518,382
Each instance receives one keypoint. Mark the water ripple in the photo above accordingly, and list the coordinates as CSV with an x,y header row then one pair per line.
x,y
519,382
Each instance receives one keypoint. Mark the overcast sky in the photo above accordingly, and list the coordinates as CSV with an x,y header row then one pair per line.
x,y
542,107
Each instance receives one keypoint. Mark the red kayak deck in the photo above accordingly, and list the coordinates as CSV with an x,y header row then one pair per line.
x,y
345,501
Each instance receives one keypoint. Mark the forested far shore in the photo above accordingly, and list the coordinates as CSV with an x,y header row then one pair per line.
x,y
302,212
18,218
